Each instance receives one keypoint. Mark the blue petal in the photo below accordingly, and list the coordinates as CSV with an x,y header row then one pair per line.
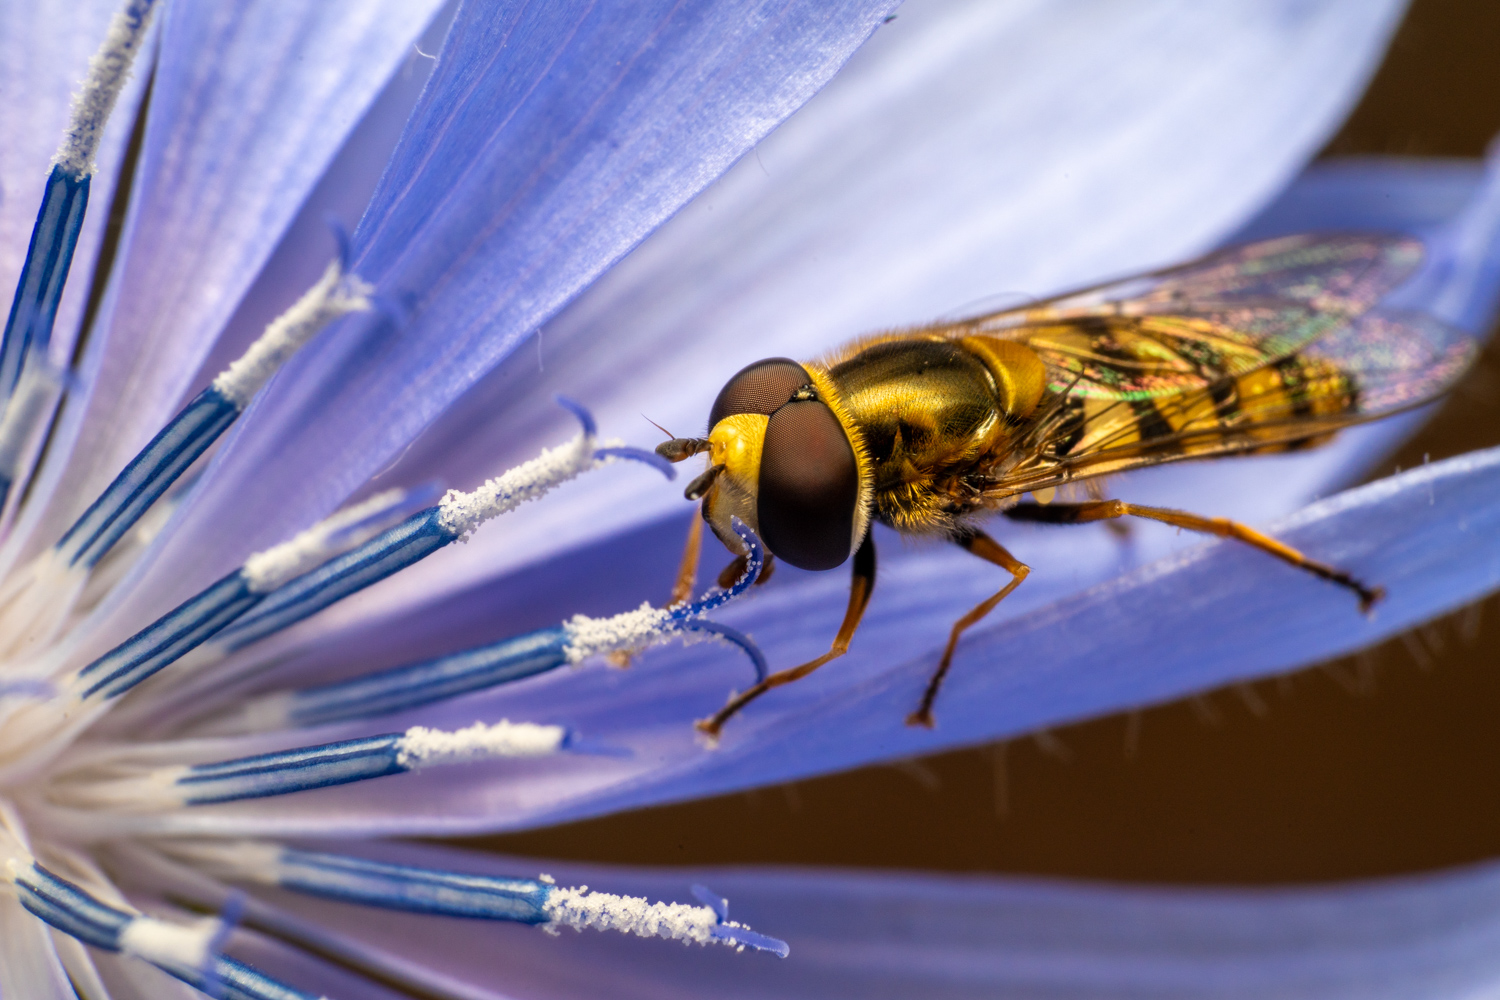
x,y
964,153
249,104
551,139
895,935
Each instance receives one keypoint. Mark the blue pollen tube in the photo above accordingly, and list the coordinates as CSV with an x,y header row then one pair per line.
x,y
149,475
392,550
169,637
418,890
432,680
437,679
54,237
200,618
286,771
73,911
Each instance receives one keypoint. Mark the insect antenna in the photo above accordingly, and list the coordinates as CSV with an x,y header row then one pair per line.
x,y
680,449
658,426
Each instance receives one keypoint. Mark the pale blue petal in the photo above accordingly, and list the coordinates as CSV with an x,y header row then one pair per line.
x,y
552,138
249,104
896,935
29,966
965,153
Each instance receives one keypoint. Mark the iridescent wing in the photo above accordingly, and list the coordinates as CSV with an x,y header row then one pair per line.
x,y
1369,367
1190,326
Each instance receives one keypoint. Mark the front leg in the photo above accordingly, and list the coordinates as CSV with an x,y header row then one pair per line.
x,y
860,588
990,551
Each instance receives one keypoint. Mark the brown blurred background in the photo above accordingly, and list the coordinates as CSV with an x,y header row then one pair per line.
x,y
1387,762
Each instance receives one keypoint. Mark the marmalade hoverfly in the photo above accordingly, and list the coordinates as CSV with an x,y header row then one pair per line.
x,y
1259,348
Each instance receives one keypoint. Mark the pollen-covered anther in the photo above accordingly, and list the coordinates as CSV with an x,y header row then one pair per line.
x,y
579,908
109,69
344,530
336,294
462,512
422,747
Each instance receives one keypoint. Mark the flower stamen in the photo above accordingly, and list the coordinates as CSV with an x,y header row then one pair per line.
x,y
538,901
284,772
508,660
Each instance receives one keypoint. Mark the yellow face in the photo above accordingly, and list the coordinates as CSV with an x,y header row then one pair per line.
x,y
786,459
735,444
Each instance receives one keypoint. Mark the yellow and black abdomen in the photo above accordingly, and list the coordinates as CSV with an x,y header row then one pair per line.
x,y
1273,408
931,412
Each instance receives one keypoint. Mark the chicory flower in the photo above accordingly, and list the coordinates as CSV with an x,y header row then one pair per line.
x,y
153,754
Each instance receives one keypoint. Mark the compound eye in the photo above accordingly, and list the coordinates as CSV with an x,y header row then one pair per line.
x,y
809,486
759,388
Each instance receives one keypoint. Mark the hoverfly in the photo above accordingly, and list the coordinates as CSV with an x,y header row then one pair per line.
x,y
1261,348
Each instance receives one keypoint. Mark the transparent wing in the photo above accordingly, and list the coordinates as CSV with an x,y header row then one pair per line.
x,y
1375,365
1187,327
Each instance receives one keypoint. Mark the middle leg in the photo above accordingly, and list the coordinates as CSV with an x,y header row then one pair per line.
x,y
990,551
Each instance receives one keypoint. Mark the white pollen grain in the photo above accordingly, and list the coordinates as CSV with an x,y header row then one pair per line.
x,y
463,512
336,294
579,908
644,626
422,747
109,69
266,570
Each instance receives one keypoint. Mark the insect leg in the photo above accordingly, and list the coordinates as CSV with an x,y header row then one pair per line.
x,y
990,551
860,588
1064,513
1118,528
687,570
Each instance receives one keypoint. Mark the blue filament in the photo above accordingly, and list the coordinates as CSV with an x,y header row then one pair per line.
x,y
417,890
149,475
740,639
287,771
432,680
73,911
202,617
737,935
231,980
650,458
457,894
169,637
749,939
392,550
590,429
417,537
54,237
512,659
